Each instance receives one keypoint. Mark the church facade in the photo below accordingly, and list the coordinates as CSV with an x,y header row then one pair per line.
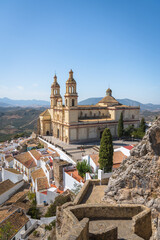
x,y
73,123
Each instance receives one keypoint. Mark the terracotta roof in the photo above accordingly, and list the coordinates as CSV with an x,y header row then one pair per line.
x,y
17,221
118,157
36,154
74,173
38,173
58,190
26,159
42,183
18,196
95,158
12,170
5,186
9,158
5,213
128,147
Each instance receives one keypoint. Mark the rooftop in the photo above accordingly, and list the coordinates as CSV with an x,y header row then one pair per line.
x,y
17,221
9,158
37,173
74,173
26,159
5,186
95,158
42,183
118,157
128,147
36,154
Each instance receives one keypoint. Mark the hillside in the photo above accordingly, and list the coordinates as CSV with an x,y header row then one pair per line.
x,y
16,120
7,102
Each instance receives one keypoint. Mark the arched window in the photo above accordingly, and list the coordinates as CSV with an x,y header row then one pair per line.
x,y
72,102
69,89
90,113
72,89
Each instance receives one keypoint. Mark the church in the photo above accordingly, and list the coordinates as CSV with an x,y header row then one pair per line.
x,y
73,123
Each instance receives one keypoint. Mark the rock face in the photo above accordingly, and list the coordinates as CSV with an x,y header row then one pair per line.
x,y
137,180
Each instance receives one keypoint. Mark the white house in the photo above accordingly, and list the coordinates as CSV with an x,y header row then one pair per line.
x,y
11,174
71,178
9,161
25,164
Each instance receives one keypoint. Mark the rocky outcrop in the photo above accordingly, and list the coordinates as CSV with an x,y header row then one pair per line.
x,y
137,180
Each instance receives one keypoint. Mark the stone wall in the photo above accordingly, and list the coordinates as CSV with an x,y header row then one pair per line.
x,y
143,219
70,216
79,232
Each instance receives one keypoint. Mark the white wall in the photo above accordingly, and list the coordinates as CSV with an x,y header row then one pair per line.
x,y
5,196
102,175
11,176
62,154
49,198
69,181
18,235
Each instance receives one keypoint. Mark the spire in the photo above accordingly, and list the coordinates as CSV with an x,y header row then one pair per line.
x,y
71,74
109,92
55,78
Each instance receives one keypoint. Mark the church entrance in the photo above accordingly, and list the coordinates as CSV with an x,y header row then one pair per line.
x,y
47,133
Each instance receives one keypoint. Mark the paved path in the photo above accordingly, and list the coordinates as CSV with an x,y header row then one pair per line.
x,y
77,151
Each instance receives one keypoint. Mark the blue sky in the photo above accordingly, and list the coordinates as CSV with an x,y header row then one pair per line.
x,y
112,43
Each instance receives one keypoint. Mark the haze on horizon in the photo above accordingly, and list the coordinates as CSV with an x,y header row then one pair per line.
x,y
106,43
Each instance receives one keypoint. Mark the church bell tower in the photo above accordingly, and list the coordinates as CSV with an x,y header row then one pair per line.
x,y
55,93
71,95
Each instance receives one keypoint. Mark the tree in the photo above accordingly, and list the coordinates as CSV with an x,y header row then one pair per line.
x,y
83,168
106,151
120,126
143,125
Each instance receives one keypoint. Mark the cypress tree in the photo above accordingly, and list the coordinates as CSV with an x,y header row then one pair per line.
x,y
120,126
106,151
143,125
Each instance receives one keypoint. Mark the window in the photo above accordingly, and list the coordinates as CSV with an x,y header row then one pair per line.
x,y
72,102
72,89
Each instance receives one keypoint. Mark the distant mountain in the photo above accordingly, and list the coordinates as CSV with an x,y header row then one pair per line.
x,y
125,101
7,102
